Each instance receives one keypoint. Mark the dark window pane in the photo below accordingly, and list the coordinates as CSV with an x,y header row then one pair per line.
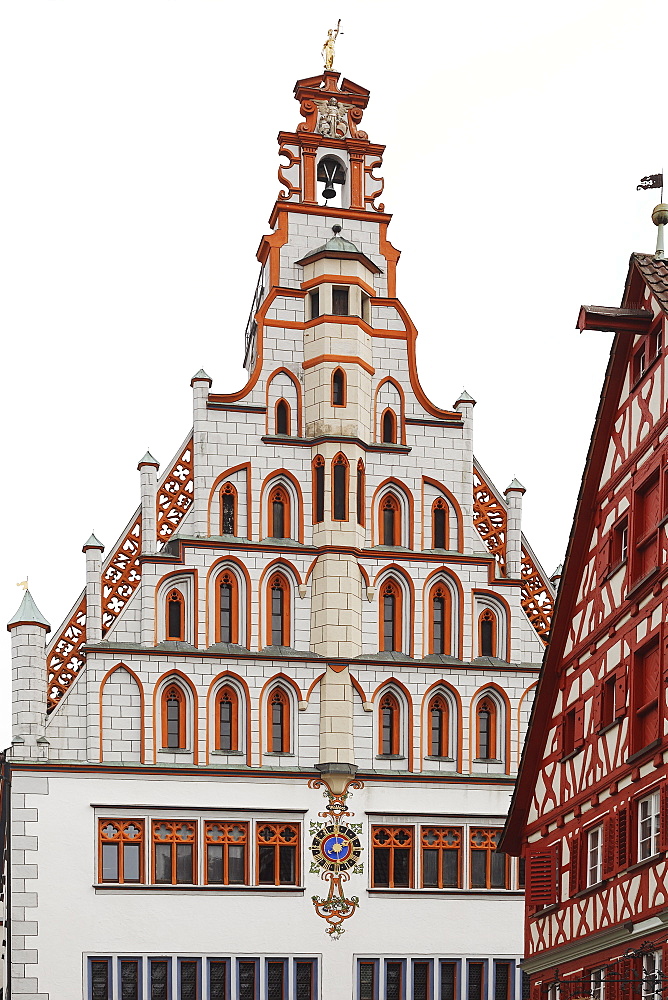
x,y
388,526
277,712
287,857
184,863
188,985
319,493
487,638
163,862
110,862
247,981
174,620
448,980
225,612
387,725
228,514
99,980
275,980
266,864
236,864
437,621
526,986
474,981
214,863
439,528
337,388
483,734
402,870
159,979
381,867
450,869
131,862
389,622
478,869
437,731
225,724
367,981
340,505
498,876
360,496
282,418
277,616
340,301
393,971
388,427
420,981
217,980
501,980
430,869
521,873
174,723
315,305
304,978
130,980
278,519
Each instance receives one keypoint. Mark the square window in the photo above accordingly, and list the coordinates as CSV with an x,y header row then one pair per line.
x,y
594,855
648,826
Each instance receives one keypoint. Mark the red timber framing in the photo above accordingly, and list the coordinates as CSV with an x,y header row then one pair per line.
x,y
590,808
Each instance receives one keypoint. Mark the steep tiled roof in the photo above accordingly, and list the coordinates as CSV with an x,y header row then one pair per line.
x,y
655,273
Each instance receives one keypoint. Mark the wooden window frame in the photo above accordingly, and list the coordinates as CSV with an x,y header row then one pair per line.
x,y
440,504
278,832
288,416
489,846
346,290
278,695
393,845
314,303
318,488
344,387
340,461
589,881
389,701
488,615
278,580
120,840
642,539
174,840
439,590
487,704
655,824
173,689
439,701
361,493
441,845
391,588
389,502
226,842
228,578
541,876
279,494
175,596
227,692
388,412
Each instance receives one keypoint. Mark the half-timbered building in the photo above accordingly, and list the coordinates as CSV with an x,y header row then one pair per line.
x,y
590,809
289,704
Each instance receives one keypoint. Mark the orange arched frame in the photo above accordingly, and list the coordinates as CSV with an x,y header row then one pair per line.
x,y
434,577
426,480
390,590
499,605
396,687
439,509
278,581
228,679
393,537
389,710
227,695
162,684
388,426
267,488
285,682
360,493
339,387
399,419
175,616
178,576
173,693
235,566
282,402
295,381
214,492
340,461
228,579
391,485
443,689
140,687
441,591
438,703
487,616
502,733
228,489
278,698
318,485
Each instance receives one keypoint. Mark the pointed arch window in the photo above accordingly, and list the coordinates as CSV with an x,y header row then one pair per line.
x,y
173,718
486,735
228,608
227,719
318,489
439,524
389,529
340,488
361,499
279,513
388,726
487,633
176,608
339,388
439,737
390,624
440,615
282,417
279,610
278,721
388,427
228,510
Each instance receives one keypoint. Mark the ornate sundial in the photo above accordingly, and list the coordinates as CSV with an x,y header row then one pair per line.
x,y
336,850
336,847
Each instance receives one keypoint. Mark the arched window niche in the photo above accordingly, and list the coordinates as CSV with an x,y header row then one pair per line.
x,y
228,509
439,524
283,425
392,722
318,473
175,616
441,724
489,721
175,608
279,721
340,488
338,387
278,610
227,720
388,427
490,626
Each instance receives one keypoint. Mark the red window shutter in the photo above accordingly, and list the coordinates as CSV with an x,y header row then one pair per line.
x,y
620,694
560,739
623,837
663,820
575,868
609,852
596,709
541,877
579,724
603,558
535,991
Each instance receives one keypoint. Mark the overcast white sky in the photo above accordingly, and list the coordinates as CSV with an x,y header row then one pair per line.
x,y
137,175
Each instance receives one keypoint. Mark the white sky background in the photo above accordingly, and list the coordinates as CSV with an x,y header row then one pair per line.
x,y
137,175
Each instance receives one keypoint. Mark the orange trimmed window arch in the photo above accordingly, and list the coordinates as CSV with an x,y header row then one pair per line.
x,y
391,608
279,513
389,723
174,707
278,611
487,633
388,426
175,615
278,721
318,481
282,418
440,617
339,387
486,729
389,520
227,719
228,608
361,493
439,727
439,524
340,488
228,509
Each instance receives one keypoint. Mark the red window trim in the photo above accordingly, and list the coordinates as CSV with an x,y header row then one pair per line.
x,y
278,580
228,692
174,690
278,696
440,590
175,596
391,702
228,578
390,587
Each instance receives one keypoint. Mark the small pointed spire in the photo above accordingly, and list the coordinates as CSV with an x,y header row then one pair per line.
x,y
28,614
148,460
201,376
515,485
93,543
464,397
556,576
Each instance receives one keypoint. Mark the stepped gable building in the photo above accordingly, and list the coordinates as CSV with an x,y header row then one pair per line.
x,y
590,810
288,706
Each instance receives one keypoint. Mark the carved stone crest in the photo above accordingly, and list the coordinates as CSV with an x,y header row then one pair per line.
x,y
332,119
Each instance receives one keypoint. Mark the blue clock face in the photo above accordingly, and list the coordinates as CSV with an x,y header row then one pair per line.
x,y
336,848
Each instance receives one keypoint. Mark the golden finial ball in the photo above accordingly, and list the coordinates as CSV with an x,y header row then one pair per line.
x,y
660,215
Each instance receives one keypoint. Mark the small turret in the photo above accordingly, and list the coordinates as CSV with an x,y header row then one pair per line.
x,y
93,550
28,628
514,494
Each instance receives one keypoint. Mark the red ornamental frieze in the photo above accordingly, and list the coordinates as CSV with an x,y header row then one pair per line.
x,y
121,573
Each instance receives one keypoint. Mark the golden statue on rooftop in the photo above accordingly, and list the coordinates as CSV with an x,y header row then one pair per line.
x,y
328,47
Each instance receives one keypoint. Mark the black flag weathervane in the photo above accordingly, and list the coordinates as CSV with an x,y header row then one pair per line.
x,y
651,181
